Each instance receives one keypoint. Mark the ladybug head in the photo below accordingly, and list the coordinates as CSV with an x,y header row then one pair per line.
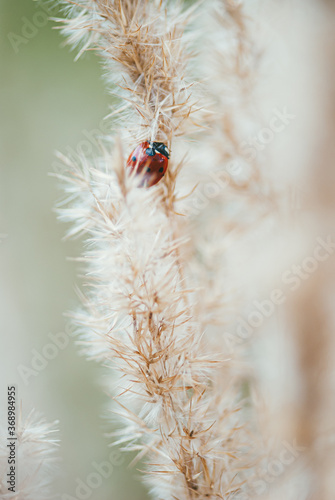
x,y
158,147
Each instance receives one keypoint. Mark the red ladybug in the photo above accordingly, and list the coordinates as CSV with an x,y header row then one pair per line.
x,y
150,161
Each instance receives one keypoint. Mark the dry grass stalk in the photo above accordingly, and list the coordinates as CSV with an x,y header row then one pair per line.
x,y
142,45
140,314
141,318
312,314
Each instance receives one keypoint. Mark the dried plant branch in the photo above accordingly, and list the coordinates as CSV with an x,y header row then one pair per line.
x,y
136,318
143,47
140,313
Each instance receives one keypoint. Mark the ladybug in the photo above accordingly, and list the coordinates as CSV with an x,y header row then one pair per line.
x,y
149,160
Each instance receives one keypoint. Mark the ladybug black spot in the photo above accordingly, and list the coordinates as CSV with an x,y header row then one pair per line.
x,y
133,158
148,169
161,169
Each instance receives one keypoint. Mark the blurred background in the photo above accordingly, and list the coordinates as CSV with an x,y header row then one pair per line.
x,y
46,102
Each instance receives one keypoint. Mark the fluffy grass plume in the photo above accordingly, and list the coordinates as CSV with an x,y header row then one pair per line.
x,y
143,313
36,459
171,270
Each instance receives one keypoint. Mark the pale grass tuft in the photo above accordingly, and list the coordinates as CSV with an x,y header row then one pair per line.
x,y
36,459
143,47
145,313
139,316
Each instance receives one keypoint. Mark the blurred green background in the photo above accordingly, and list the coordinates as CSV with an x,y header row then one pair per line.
x,y
46,102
